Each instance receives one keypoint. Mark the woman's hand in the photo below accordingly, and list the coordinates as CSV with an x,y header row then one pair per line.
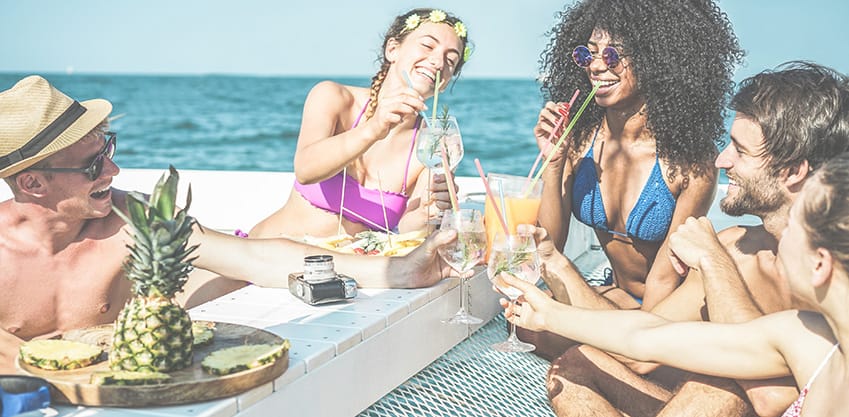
x,y
545,247
547,130
531,311
392,109
439,194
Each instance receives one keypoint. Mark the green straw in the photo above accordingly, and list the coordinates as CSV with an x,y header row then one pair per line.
x,y
562,138
435,96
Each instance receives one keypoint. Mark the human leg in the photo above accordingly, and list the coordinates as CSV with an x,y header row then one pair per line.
x,y
586,381
706,396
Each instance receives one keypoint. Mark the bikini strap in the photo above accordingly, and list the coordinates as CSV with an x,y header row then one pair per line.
x,y
362,112
410,154
592,144
822,365
345,172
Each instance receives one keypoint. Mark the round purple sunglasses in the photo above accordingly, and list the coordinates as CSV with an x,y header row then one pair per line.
x,y
583,57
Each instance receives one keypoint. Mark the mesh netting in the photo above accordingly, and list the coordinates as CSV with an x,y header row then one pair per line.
x,y
474,380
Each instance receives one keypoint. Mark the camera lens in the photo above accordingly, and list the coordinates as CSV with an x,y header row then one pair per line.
x,y
318,268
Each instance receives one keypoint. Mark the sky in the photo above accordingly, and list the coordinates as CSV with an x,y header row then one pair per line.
x,y
342,37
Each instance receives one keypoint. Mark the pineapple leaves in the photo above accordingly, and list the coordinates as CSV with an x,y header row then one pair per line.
x,y
159,259
164,197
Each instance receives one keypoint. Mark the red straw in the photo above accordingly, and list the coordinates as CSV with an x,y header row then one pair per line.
x,y
564,113
492,198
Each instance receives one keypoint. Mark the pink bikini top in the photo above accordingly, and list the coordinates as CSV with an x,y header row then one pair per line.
x,y
795,409
361,205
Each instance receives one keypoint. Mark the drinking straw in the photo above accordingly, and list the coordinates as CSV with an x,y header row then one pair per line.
x,y
342,201
448,177
564,135
367,221
492,198
410,84
504,208
383,207
435,96
564,113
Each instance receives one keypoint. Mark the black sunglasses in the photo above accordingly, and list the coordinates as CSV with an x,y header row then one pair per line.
x,y
96,167
583,57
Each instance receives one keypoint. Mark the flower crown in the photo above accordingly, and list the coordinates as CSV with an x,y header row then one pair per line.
x,y
438,16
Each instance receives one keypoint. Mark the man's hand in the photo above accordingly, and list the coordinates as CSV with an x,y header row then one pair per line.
x,y
424,263
694,241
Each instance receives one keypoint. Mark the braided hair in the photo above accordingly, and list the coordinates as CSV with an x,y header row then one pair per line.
x,y
397,31
683,54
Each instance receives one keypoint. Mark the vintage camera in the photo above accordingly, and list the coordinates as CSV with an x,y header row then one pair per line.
x,y
319,283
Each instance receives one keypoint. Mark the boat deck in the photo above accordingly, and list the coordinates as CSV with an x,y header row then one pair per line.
x,y
385,353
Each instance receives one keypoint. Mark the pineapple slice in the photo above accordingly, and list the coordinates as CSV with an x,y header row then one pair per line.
x,y
128,378
57,355
202,332
240,358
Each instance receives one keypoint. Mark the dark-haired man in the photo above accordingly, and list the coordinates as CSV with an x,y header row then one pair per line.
x,y
788,123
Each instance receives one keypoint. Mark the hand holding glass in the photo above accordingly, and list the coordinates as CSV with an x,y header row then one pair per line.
x,y
439,140
437,136
464,253
516,255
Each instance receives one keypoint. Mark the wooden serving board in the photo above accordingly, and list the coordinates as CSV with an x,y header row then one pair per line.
x,y
186,386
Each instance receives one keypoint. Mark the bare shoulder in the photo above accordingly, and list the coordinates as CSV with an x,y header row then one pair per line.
x,y
800,322
747,240
331,92
334,100
697,182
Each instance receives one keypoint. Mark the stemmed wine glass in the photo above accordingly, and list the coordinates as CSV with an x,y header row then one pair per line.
x,y
464,253
517,255
439,138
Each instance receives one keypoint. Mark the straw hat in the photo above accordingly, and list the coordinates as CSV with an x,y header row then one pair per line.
x,y
37,120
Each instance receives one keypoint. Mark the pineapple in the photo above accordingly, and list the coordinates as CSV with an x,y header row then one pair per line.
x,y
153,333
202,332
240,358
57,355
128,378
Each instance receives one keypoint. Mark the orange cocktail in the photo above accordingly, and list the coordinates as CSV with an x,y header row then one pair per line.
x,y
521,204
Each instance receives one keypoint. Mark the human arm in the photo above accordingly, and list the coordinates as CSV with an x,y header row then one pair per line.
x,y
326,144
694,199
728,297
268,262
9,347
747,350
555,209
697,248
562,277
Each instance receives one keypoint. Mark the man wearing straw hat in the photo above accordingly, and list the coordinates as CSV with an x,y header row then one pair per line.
x,y
62,246
788,123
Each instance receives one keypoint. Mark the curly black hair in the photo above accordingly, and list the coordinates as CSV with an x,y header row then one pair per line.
x,y
683,54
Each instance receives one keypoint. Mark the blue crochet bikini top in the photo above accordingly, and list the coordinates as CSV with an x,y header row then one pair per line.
x,y
651,216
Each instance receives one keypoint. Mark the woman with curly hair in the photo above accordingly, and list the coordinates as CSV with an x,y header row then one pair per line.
x,y
354,152
640,159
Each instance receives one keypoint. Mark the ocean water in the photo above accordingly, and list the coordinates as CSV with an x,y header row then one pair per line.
x,y
251,123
